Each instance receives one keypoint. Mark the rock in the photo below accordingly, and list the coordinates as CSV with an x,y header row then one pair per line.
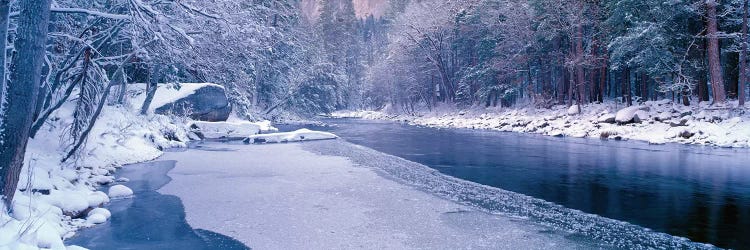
x,y
96,219
607,118
120,191
663,117
97,198
574,110
686,113
102,211
628,115
681,123
686,134
207,103
640,116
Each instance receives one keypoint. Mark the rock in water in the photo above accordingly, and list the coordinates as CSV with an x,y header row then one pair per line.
x,y
208,103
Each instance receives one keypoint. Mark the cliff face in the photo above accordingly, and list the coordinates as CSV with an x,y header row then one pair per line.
x,y
364,8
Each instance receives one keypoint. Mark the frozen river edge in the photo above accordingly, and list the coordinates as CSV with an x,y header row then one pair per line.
x,y
334,194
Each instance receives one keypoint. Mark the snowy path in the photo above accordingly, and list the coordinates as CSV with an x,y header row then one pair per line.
x,y
284,197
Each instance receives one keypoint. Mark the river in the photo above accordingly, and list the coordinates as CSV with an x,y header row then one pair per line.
x,y
701,193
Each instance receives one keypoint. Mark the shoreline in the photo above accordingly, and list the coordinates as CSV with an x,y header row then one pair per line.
x,y
663,123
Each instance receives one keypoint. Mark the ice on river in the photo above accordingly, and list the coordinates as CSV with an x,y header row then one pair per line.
x,y
294,136
280,196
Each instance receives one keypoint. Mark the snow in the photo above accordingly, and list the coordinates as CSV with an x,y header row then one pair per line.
x,y
96,218
100,211
228,129
165,93
627,115
120,191
574,110
290,198
53,198
660,121
295,136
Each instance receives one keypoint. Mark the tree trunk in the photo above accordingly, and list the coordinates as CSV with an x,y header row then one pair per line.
x,y
743,56
580,78
150,89
23,90
714,59
4,13
123,87
626,98
644,87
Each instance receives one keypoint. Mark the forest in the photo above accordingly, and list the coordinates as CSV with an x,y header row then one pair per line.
x,y
274,61
296,59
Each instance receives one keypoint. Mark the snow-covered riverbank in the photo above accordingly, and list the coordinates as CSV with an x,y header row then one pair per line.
x,y
55,199
655,122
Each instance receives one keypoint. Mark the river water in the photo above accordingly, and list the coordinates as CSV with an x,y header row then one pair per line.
x,y
701,193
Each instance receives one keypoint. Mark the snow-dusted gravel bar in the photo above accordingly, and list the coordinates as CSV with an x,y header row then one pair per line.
x,y
337,195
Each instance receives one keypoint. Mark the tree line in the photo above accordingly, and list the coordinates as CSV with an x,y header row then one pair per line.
x,y
545,53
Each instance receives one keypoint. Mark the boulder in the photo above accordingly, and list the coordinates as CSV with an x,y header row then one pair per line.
x,y
679,123
208,102
628,115
640,116
574,110
607,118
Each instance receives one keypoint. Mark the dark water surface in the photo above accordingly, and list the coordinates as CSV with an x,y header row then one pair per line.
x,y
149,220
701,193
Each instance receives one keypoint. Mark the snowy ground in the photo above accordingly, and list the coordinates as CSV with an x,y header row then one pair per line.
x,y
54,199
279,196
660,122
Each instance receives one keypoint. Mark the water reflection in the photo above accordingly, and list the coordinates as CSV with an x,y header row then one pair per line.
x,y
150,220
697,192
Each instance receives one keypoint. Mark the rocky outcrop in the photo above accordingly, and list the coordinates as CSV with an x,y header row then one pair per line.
x,y
207,103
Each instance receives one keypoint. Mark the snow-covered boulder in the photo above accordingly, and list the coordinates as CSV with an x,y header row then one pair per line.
x,y
200,101
299,135
574,110
606,118
628,115
225,129
103,211
98,215
640,116
120,191
96,219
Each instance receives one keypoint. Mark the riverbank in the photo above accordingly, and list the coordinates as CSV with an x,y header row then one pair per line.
x,y
54,199
654,122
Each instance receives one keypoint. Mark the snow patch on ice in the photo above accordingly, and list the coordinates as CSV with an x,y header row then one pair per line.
x,y
295,136
226,129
